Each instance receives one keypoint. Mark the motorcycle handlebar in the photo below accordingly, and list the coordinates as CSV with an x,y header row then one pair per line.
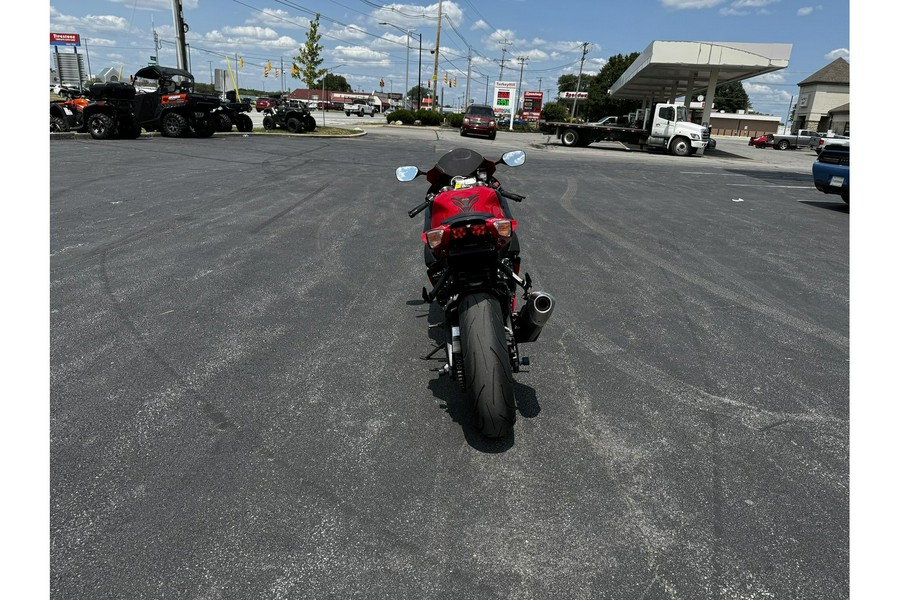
x,y
511,196
419,208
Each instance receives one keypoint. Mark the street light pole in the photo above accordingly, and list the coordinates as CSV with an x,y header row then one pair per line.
x,y
325,72
408,41
419,88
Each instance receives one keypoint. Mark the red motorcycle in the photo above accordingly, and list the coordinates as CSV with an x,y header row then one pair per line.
x,y
472,261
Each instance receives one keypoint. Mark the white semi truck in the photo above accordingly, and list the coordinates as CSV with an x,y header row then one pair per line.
x,y
664,127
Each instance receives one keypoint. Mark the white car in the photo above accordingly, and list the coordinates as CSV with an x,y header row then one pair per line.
x,y
831,140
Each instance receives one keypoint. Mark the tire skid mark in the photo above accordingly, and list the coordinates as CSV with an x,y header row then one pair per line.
x,y
750,416
835,339
287,210
619,458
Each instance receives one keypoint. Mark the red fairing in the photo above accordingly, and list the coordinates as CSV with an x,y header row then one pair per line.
x,y
477,199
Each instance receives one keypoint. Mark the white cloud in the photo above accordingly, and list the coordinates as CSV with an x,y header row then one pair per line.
x,y
682,4
480,24
411,15
359,54
87,23
352,32
164,5
747,7
838,53
272,17
805,11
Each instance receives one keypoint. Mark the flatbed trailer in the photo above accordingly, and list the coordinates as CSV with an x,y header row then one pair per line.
x,y
582,134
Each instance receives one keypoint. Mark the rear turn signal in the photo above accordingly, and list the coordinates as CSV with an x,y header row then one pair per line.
x,y
433,238
503,227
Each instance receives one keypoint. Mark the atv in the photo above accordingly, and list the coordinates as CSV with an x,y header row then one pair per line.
x,y
66,114
230,113
291,114
111,111
162,100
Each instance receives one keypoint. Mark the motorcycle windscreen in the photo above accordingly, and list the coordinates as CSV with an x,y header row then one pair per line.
x,y
452,203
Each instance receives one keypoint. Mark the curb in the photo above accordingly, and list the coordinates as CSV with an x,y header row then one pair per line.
x,y
72,135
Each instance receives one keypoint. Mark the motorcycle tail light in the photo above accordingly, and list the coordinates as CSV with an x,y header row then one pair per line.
x,y
458,233
479,230
433,238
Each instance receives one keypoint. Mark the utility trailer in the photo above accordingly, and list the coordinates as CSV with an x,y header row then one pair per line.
x,y
666,127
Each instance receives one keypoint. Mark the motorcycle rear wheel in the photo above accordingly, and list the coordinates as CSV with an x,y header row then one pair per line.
x,y
486,365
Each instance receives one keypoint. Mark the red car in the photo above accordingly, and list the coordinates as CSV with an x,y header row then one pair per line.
x,y
479,119
264,103
760,140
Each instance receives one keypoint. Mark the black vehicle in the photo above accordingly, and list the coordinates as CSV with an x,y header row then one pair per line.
x,y
67,114
230,113
161,99
291,114
111,111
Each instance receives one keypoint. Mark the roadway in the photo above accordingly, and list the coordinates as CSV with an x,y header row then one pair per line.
x,y
239,407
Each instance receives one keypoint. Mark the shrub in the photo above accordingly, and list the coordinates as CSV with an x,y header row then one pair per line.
x,y
429,117
402,115
553,111
455,120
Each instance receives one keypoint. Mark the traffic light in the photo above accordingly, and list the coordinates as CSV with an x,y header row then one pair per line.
x,y
382,82
445,78
241,62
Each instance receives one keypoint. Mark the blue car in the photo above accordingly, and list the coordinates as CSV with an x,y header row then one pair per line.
x,y
831,171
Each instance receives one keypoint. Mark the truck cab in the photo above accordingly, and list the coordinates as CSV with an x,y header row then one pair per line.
x,y
669,128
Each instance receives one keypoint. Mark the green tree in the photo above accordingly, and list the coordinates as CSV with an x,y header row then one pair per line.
x,y
731,97
416,92
567,83
553,111
599,104
307,63
334,83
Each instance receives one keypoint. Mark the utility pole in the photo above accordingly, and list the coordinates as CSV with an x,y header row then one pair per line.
x,y
437,50
468,76
503,59
512,114
584,51
181,29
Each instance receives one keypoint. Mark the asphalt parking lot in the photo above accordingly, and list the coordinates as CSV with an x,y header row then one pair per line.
x,y
240,409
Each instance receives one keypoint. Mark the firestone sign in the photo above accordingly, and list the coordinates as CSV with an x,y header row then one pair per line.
x,y
573,95
65,39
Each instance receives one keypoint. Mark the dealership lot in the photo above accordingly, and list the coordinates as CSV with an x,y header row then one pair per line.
x,y
239,407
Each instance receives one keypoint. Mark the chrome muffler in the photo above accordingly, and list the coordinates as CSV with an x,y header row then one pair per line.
x,y
534,315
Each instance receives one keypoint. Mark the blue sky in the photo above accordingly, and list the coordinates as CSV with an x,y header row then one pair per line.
x,y
119,34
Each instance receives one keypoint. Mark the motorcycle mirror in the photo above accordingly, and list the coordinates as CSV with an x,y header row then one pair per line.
x,y
514,158
407,173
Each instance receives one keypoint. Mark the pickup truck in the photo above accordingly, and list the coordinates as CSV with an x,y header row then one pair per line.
x,y
830,140
359,109
804,138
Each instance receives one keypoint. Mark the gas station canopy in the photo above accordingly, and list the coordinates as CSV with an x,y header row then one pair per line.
x,y
665,70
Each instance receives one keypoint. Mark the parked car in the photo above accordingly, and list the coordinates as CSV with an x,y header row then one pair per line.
x,y
831,171
517,122
264,103
832,140
761,140
479,119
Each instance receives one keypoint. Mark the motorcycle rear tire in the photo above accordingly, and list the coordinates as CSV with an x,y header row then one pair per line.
x,y
488,372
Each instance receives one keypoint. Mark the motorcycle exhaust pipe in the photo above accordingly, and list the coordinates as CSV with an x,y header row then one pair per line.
x,y
533,316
